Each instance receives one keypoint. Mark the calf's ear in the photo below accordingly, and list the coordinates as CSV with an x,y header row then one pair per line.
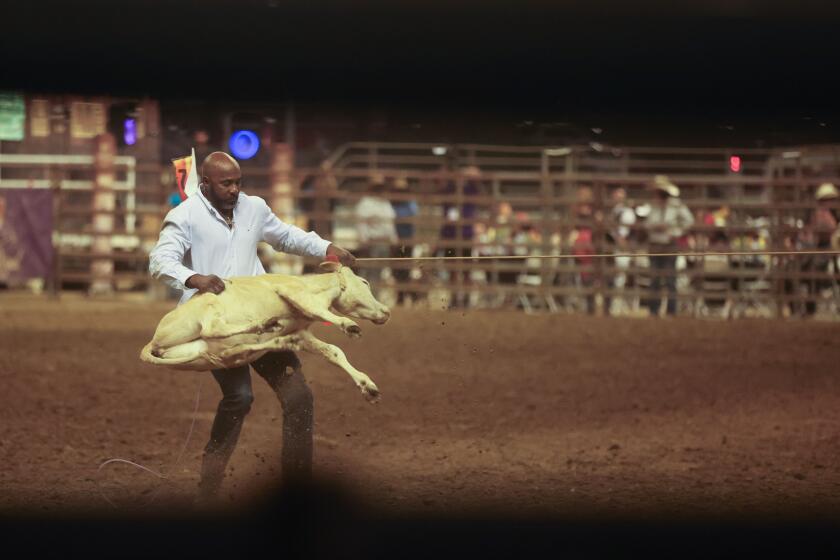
x,y
329,266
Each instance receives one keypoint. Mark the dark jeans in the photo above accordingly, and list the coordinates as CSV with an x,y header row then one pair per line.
x,y
812,264
660,266
282,371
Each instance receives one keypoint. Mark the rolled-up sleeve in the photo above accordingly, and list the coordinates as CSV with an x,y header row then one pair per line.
x,y
291,239
166,260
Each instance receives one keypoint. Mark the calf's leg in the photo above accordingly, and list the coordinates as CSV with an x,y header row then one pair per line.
x,y
336,356
316,310
305,340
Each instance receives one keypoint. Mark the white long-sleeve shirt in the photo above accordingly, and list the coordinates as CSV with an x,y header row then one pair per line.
x,y
376,217
195,239
674,216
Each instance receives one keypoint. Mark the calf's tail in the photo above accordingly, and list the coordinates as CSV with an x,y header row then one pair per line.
x,y
148,356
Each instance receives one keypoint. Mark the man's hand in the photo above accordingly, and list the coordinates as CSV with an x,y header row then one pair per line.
x,y
202,283
344,257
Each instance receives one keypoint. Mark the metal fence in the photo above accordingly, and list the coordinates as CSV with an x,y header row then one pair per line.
x,y
766,197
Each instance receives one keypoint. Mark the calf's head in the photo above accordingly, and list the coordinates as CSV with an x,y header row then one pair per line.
x,y
356,299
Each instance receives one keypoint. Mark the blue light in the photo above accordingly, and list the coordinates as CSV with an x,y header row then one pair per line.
x,y
244,144
130,132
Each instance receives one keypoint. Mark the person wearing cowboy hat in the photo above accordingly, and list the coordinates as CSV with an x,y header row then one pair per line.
x,y
823,236
827,215
827,191
667,221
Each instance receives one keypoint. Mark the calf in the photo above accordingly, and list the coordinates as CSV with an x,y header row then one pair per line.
x,y
258,314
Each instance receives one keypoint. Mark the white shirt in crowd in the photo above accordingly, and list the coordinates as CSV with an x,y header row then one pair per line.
x,y
376,217
195,239
674,215
624,216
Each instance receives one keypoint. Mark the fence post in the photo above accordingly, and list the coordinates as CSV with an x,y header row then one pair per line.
x,y
460,297
321,207
55,186
102,267
282,165
281,185
601,289
546,196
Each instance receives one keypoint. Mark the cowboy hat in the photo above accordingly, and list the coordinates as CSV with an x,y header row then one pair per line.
x,y
827,191
400,183
471,172
663,183
377,178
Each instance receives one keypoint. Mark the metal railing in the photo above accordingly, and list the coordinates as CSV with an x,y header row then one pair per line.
x,y
768,200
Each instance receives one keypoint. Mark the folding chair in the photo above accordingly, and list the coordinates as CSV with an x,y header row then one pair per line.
x,y
532,277
713,288
754,292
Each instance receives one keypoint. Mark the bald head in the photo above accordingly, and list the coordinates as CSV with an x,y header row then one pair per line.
x,y
218,161
221,179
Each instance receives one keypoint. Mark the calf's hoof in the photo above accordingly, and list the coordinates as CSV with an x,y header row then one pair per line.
x,y
370,391
353,331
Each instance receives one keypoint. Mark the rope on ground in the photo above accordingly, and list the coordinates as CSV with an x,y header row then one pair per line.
x,y
147,469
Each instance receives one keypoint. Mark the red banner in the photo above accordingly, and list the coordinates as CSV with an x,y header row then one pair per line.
x,y
182,170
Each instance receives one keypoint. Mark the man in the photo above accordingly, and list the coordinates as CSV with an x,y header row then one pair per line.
x,y
667,221
375,223
823,223
214,235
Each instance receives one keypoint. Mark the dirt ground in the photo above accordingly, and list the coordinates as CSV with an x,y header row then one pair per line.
x,y
480,411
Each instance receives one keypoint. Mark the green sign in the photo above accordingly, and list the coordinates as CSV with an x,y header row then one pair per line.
x,y
12,116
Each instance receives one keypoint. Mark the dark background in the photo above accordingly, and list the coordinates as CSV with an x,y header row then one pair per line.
x,y
325,521
746,73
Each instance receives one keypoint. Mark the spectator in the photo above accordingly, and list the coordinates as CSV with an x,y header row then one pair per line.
x,y
375,222
588,224
527,238
712,235
403,209
503,241
453,214
823,224
668,220
484,247
826,216
623,218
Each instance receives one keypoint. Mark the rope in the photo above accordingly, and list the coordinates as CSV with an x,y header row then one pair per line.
x,y
147,469
601,255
